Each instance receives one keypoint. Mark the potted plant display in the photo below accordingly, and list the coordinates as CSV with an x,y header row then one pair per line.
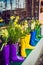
x,y
25,38
14,35
34,27
5,46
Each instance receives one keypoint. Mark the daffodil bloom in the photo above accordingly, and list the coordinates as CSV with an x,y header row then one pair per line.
x,y
19,26
32,25
37,23
14,23
25,21
22,26
4,33
16,20
17,17
12,17
26,25
16,26
1,20
22,31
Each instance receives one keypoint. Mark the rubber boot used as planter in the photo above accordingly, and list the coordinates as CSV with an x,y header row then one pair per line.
x,y
6,55
27,42
33,38
23,52
0,58
14,56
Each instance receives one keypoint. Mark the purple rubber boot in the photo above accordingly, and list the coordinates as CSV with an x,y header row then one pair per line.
x,y
14,56
6,55
0,58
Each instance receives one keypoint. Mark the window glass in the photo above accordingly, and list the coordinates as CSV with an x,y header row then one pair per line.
x,y
2,6
14,3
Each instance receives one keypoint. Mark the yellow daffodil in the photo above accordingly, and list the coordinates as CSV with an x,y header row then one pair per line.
x,y
12,17
4,33
14,23
17,17
22,26
1,20
25,21
17,26
16,20
26,25
32,25
22,31
37,22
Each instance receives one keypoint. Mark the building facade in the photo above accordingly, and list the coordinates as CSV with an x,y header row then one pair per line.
x,y
28,8
32,7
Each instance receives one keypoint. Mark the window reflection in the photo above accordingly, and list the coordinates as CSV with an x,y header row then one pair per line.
x,y
2,6
13,4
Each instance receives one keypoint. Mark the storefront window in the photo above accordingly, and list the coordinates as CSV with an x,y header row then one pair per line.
x,y
13,4
2,6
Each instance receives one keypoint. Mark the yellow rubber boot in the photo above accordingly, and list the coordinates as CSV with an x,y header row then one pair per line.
x,y
27,42
23,52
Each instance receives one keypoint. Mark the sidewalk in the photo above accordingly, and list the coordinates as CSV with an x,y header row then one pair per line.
x,y
35,54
